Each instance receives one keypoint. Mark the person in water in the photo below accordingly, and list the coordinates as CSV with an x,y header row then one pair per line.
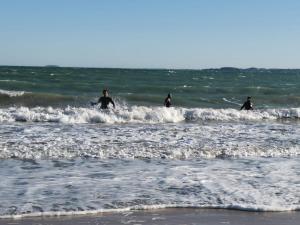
x,y
168,101
247,104
105,100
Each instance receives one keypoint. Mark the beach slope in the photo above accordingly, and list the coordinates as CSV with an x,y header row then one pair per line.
x,y
169,216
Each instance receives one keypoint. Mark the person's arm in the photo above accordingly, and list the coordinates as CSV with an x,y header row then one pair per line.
x,y
251,106
167,100
96,103
112,102
243,106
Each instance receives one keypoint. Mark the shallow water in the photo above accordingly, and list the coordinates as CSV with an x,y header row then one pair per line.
x,y
149,141
58,186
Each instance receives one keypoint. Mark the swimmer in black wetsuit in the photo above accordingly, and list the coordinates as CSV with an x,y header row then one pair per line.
x,y
247,104
168,101
105,100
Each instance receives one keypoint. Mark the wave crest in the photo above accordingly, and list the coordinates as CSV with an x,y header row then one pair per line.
x,y
140,114
11,93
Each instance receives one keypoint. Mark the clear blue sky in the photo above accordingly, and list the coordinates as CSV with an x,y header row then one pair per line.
x,y
151,33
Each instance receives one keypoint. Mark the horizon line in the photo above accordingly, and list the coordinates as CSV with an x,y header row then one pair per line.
x,y
154,68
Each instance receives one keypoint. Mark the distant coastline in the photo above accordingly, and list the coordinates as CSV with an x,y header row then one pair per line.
x,y
223,69
51,66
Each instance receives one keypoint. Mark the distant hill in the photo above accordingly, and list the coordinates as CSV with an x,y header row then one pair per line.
x,y
229,68
51,66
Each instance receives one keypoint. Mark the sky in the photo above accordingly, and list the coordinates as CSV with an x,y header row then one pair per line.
x,y
179,34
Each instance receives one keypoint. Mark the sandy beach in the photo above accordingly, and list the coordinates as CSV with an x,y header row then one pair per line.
x,y
168,216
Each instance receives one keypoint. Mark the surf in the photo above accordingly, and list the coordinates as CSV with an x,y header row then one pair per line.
x,y
141,114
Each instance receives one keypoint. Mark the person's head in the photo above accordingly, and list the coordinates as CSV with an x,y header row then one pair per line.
x,y
248,98
169,95
105,92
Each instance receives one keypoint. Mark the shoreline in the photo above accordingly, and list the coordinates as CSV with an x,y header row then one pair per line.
x,y
170,216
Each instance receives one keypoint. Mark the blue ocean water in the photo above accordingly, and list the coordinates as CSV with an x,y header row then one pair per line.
x,y
59,155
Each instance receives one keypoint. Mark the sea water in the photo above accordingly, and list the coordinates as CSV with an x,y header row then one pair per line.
x,y
60,156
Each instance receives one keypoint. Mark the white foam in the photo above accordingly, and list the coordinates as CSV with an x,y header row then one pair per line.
x,y
8,81
88,187
12,93
139,114
148,207
128,141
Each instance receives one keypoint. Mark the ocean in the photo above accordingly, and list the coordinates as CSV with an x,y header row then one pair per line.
x,y
61,156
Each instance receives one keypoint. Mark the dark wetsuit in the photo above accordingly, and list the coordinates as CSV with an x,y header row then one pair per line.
x,y
168,102
105,101
247,105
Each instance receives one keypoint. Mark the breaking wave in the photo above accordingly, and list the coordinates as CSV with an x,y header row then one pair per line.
x,y
11,93
140,114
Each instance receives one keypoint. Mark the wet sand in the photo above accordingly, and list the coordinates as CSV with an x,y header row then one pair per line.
x,y
168,217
